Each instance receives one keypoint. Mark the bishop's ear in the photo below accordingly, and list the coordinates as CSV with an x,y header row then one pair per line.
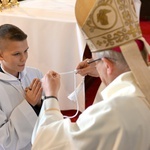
x,y
108,64
1,56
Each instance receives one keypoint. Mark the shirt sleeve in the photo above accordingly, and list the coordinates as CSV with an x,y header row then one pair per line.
x,y
52,131
16,129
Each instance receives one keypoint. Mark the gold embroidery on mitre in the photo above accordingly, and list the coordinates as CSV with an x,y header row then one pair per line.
x,y
111,23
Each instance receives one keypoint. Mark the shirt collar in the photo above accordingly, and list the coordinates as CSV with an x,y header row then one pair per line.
x,y
21,74
123,85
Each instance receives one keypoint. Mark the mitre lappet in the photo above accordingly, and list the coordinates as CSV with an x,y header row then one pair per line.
x,y
114,25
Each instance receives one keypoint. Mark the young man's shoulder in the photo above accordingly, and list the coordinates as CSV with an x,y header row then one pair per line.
x,y
32,70
28,68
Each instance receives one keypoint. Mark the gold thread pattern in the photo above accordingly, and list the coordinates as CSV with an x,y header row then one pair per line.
x,y
111,23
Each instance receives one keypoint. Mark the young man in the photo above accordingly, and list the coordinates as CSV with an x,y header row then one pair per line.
x,y
121,120
20,90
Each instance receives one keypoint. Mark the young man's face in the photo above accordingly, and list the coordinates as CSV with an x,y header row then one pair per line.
x,y
14,55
